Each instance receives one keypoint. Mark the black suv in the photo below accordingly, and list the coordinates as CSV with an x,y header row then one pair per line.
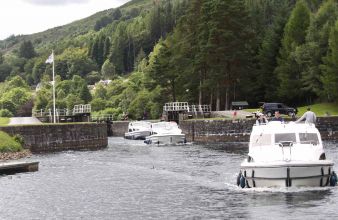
x,y
269,109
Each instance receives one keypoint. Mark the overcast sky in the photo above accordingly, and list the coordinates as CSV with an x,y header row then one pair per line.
x,y
32,16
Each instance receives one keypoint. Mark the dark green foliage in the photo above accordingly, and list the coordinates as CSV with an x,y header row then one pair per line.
x,y
269,18
5,70
310,56
38,71
116,15
99,50
106,48
93,77
19,138
1,58
61,69
288,68
119,44
102,22
27,50
200,51
8,143
98,104
330,67
15,96
85,94
6,113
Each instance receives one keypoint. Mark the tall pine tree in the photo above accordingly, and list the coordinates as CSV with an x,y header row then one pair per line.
x,y
288,70
330,67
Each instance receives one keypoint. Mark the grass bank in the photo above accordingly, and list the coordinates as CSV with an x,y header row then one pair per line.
x,y
4,121
8,143
320,109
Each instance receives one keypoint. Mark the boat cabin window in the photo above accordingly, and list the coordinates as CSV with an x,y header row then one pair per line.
x,y
261,140
308,138
282,137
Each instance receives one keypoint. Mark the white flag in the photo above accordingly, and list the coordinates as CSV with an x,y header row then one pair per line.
x,y
50,58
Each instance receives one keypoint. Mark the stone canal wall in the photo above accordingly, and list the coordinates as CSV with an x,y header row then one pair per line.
x,y
60,137
328,128
211,131
118,128
208,131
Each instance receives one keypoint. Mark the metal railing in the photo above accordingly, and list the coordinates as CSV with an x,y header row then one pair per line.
x,y
102,118
78,109
184,106
176,106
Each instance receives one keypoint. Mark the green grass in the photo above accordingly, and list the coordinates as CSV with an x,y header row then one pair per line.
x,y
8,144
211,119
4,121
319,109
252,109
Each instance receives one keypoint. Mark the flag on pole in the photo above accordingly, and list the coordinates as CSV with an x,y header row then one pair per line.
x,y
50,58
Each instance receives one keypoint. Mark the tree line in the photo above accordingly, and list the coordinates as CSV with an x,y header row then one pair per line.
x,y
200,51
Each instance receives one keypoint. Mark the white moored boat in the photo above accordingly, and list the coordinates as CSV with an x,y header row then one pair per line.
x,y
165,133
286,155
138,130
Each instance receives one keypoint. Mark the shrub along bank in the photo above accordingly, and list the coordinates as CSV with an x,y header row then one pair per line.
x,y
9,144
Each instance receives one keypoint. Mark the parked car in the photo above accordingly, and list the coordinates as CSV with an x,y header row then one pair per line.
x,y
269,109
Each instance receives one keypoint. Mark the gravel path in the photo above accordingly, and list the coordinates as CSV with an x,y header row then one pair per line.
x,y
240,114
24,121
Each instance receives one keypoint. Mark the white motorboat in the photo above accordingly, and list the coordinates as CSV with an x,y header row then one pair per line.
x,y
138,130
286,155
165,133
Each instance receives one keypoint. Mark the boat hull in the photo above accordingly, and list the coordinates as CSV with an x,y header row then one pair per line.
x,y
287,174
166,139
137,135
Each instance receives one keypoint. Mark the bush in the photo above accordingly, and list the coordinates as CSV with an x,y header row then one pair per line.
x,y
115,112
5,113
98,104
8,144
18,138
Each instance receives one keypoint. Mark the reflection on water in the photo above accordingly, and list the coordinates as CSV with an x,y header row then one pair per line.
x,y
131,180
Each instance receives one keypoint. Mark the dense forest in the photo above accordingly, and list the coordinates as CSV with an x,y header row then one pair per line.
x,y
202,51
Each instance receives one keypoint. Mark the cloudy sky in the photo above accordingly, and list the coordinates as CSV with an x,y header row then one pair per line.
x,y
32,16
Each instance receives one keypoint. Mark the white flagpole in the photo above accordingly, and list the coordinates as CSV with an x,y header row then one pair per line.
x,y
54,118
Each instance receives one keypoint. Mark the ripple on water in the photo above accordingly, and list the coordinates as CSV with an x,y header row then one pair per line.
x,y
132,180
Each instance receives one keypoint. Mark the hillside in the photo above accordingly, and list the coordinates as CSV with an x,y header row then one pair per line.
x,y
71,30
149,52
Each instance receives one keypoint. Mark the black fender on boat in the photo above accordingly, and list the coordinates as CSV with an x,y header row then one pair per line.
x,y
239,178
241,181
333,179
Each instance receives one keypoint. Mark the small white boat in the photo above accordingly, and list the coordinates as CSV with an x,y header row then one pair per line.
x,y
286,155
138,130
165,133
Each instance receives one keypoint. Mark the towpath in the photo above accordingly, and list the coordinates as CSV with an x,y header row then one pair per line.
x,y
24,121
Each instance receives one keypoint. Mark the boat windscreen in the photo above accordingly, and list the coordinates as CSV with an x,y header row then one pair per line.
x,y
285,137
308,138
261,140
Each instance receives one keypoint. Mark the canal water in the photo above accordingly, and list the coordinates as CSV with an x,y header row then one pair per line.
x,y
130,180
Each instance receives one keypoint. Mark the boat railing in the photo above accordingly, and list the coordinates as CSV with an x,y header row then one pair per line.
x,y
288,144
